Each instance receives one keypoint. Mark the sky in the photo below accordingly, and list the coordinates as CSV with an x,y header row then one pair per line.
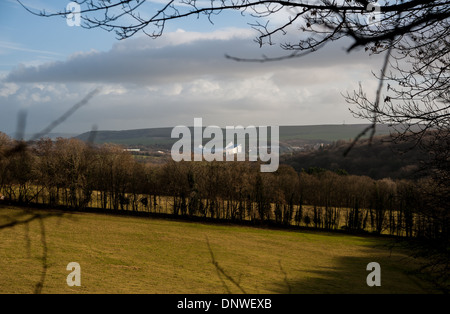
x,y
47,66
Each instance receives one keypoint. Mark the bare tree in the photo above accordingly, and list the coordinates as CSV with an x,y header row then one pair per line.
x,y
416,102
416,99
366,22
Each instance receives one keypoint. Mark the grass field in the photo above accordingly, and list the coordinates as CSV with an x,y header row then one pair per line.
x,y
120,254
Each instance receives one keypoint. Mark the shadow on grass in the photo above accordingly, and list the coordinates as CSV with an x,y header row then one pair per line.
x,y
348,275
10,218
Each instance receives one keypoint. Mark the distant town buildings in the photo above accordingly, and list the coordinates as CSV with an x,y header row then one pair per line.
x,y
132,149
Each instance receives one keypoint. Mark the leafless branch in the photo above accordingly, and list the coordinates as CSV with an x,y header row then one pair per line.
x,y
221,272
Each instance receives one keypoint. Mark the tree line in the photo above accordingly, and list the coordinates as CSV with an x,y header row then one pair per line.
x,y
76,175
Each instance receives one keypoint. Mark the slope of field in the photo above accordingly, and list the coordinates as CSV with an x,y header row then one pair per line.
x,y
120,254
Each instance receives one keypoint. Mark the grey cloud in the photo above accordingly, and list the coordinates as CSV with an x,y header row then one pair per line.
x,y
143,61
141,78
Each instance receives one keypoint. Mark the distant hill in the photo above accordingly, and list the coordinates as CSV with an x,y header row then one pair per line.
x,y
141,137
289,135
